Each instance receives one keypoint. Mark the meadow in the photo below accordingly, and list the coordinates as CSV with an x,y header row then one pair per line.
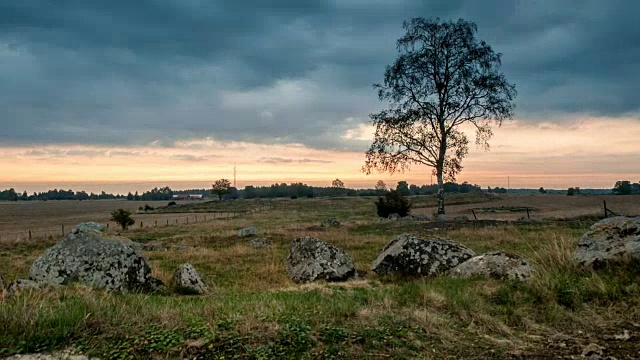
x,y
256,312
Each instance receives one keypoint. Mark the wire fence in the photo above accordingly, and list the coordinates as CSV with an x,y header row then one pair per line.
x,y
143,220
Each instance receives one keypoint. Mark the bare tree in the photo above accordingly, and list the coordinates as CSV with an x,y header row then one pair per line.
x,y
221,187
442,78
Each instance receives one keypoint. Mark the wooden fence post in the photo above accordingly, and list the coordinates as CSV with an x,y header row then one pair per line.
x,y
156,224
29,234
528,217
605,209
140,224
167,222
62,230
187,219
474,215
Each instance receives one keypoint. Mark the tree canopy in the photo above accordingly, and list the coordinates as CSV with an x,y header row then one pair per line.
x,y
221,187
442,78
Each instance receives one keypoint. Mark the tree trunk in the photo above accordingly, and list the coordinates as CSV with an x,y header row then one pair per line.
x,y
440,195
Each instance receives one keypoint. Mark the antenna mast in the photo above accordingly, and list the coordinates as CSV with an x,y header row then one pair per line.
x,y
234,174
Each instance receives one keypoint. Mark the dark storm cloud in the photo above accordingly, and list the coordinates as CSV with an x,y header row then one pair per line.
x,y
153,72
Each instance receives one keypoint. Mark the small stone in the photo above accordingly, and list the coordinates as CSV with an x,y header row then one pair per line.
x,y
623,337
153,246
187,281
248,231
394,217
182,248
592,351
259,242
330,223
21,285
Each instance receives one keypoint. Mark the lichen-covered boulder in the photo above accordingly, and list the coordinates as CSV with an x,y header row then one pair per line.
x,y
496,265
94,226
608,242
187,281
311,259
89,257
248,231
260,242
411,256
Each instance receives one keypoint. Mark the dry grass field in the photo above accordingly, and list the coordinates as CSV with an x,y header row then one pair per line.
x,y
46,218
256,312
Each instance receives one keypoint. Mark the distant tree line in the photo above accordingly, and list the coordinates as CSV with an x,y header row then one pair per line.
x,y
55,194
626,187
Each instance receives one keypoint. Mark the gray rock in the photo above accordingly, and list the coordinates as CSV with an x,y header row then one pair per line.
x,y
88,257
153,246
441,217
260,242
91,225
412,256
394,217
461,218
420,218
182,248
248,231
608,242
330,223
187,281
496,265
19,286
311,259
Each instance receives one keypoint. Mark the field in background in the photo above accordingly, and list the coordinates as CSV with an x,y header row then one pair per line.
x,y
46,218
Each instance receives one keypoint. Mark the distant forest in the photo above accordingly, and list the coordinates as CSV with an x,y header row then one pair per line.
x,y
301,190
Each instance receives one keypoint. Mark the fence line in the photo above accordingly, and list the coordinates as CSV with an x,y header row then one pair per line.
x,y
16,235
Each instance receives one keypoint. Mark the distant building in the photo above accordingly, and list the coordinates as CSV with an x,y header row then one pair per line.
x,y
187,197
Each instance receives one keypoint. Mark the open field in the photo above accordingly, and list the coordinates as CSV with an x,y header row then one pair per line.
x,y
256,312
46,218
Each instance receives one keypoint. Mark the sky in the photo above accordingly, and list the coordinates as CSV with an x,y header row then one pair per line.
x,y
127,95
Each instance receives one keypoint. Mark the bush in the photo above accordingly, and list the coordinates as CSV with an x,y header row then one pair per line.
x,y
147,207
393,203
171,203
123,218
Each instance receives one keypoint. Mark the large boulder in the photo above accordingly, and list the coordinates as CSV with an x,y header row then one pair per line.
x,y
311,259
609,241
411,256
187,281
88,256
496,265
248,231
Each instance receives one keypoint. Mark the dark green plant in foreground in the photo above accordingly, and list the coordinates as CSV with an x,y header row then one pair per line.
x,y
123,218
393,203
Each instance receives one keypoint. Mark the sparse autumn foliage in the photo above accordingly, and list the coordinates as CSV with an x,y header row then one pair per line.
x,y
442,78
221,187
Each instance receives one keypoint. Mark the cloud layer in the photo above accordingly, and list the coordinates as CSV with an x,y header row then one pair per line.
x,y
143,72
